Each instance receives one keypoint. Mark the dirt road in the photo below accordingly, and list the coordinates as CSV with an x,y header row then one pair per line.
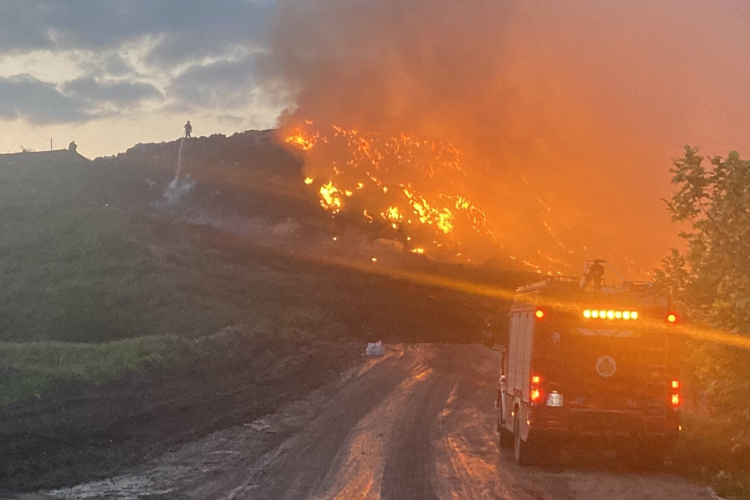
x,y
415,424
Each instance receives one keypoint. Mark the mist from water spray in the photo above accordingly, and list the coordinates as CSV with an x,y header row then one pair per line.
x,y
178,188
179,160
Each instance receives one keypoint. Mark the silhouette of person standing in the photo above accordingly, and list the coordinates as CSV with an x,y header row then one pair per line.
x,y
72,147
188,129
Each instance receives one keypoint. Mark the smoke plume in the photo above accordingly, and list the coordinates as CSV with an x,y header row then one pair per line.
x,y
566,113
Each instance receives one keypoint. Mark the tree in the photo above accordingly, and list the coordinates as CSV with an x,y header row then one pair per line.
x,y
711,277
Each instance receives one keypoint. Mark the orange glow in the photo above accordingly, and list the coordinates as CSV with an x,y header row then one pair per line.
x,y
522,146
672,318
539,314
392,214
297,137
675,400
356,160
418,250
536,393
330,197
588,313
675,384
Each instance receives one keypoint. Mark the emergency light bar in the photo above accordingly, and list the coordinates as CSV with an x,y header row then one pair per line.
x,y
602,314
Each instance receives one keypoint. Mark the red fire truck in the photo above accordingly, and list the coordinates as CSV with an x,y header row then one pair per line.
x,y
589,364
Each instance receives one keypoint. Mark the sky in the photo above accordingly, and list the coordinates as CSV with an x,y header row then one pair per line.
x,y
110,74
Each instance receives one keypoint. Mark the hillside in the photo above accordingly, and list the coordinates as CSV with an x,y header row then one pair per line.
x,y
91,252
112,291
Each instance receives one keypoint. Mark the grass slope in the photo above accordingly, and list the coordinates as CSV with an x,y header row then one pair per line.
x,y
96,282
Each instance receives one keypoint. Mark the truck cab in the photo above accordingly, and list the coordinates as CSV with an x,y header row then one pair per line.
x,y
596,366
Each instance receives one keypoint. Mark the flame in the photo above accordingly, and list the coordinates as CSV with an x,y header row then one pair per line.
x,y
330,197
427,214
418,250
413,167
299,138
392,214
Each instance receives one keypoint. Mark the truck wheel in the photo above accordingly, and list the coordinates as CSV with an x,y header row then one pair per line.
x,y
506,437
523,452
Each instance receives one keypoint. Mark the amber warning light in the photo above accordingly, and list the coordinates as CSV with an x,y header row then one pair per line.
x,y
609,314
675,399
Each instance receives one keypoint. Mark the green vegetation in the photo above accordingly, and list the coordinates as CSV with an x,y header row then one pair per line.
x,y
711,283
34,368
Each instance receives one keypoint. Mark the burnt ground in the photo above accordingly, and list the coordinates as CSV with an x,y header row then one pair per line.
x,y
88,433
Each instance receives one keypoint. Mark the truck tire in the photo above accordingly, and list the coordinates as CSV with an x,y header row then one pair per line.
x,y
523,452
506,437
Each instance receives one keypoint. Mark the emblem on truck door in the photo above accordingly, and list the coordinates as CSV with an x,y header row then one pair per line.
x,y
606,366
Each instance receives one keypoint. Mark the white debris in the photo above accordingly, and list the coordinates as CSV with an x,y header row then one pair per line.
x,y
375,349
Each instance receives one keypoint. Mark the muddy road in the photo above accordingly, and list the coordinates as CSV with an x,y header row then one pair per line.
x,y
415,424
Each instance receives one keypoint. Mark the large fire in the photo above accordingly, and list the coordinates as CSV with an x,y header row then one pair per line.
x,y
565,148
353,174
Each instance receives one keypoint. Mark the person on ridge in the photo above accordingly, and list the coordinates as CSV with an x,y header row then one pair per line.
x,y
188,129
72,147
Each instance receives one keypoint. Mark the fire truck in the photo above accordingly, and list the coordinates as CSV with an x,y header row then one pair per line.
x,y
591,365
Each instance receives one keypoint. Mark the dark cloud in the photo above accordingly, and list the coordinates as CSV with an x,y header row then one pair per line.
x,y
106,64
185,29
116,66
98,35
111,92
39,102
222,83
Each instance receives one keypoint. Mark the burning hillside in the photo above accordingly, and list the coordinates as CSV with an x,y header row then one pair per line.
x,y
539,131
416,186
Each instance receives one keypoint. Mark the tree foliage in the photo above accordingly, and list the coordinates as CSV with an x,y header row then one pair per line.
x,y
710,279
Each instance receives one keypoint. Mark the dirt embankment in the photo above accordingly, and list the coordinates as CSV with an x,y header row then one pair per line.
x,y
81,436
